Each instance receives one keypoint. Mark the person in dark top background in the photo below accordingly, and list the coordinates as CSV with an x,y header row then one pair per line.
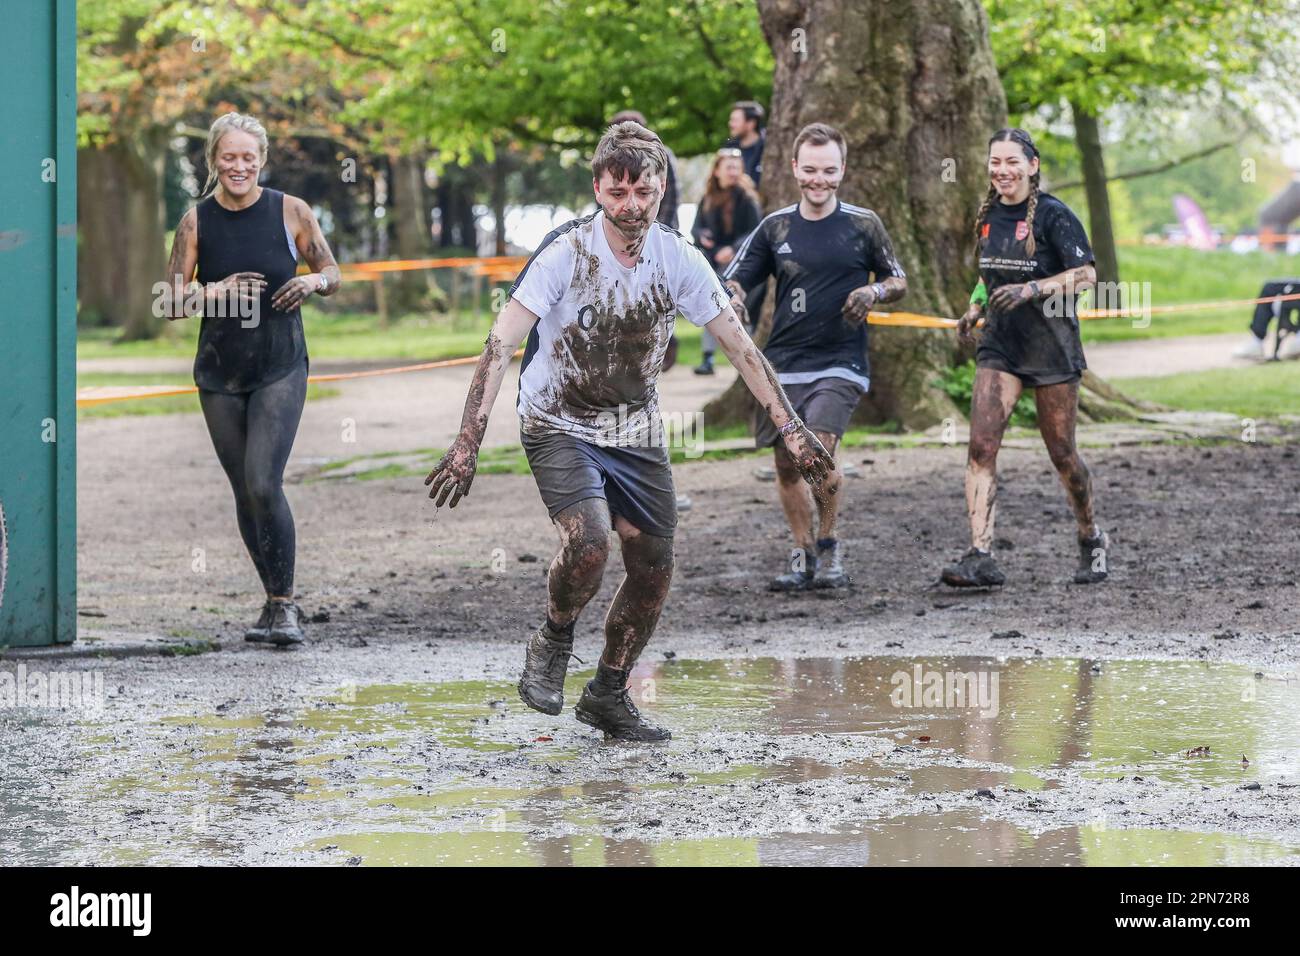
x,y
241,246
1034,259
746,127
833,262
727,214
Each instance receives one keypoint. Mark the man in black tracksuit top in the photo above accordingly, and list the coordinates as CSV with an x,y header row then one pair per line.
x,y
832,263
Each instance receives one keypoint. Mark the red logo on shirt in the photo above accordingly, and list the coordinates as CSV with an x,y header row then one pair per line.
x,y
1022,230
984,233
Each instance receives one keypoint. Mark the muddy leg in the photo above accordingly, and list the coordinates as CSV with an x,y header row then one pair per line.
x,y
827,494
632,617
577,570
992,399
1058,407
796,499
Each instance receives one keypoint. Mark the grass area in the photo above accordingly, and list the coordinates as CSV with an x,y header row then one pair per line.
x,y
1187,275
168,405
1259,391
350,335
1175,275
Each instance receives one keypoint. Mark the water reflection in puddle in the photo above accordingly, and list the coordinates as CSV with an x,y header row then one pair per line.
x,y
773,761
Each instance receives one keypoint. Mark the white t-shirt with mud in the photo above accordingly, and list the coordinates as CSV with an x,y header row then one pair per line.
x,y
591,366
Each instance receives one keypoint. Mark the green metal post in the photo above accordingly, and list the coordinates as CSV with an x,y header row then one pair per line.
x,y
38,299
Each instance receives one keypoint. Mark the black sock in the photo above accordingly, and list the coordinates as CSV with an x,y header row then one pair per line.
x,y
708,358
824,543
609,680
561,635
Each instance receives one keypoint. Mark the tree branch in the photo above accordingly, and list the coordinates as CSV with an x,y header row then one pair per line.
x,y
1152,170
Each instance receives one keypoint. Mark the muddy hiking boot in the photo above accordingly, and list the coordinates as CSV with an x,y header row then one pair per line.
x,y
799,574
612,711
830,571
1094,557
976,569
546,661
286,624
260,632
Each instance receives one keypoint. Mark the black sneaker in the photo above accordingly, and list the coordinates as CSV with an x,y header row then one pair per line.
x,y
286,624
976,569
830,568
1094,557
803,567
617,716
546,661
260,632
704,368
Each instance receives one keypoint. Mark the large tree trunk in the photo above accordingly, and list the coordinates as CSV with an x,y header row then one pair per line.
x,y
409,291
913,87
1087,137
123,233
499,170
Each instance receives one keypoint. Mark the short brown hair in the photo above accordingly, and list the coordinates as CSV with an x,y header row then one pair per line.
x,y
626,149
751,109
819,134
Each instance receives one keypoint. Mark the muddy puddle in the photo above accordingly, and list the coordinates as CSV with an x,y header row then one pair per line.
x,y
861,761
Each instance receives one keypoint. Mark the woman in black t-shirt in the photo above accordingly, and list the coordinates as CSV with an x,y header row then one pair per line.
x,y
1034,259
234,261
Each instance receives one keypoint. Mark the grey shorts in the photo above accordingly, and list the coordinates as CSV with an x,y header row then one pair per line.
x,y
824,405
636,482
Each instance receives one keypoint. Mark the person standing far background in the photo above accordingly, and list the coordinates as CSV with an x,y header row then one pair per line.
x,y
728,213
747,135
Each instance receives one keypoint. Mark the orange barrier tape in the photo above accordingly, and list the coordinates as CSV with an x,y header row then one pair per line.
x,y
102,394
99,395
402,265
1185,307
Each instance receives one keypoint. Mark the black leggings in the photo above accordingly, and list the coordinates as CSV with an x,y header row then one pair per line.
x,y
253,434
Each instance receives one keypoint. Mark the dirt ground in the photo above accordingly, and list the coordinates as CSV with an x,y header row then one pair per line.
x,y
1202,537
394,735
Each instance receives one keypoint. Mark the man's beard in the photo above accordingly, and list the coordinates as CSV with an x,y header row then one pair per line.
x,y
632,228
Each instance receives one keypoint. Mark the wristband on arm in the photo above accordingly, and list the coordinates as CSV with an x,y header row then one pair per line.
x,y
980,295
793,425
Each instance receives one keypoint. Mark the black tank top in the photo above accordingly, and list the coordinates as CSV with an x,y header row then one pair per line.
x,y
233,358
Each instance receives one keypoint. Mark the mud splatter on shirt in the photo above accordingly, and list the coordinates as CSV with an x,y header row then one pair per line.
x,y
591,366
1040,345
817,264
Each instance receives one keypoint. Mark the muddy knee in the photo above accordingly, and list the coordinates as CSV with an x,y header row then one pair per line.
x,y
983,451
584,539
584,554
1065,458
650,559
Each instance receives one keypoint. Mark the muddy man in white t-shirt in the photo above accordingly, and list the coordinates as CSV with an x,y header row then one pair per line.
x,y
597,301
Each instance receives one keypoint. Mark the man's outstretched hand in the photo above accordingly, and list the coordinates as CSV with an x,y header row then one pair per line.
x,y
810,455
454,473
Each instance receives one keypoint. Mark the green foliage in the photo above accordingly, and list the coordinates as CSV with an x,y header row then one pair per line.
x,y
471,75
959,383
1098,53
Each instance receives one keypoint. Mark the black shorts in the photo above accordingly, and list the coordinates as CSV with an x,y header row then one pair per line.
x,y
636,482
987,358
824,405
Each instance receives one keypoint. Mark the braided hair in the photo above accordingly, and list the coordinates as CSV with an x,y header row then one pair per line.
x,y
1019,136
